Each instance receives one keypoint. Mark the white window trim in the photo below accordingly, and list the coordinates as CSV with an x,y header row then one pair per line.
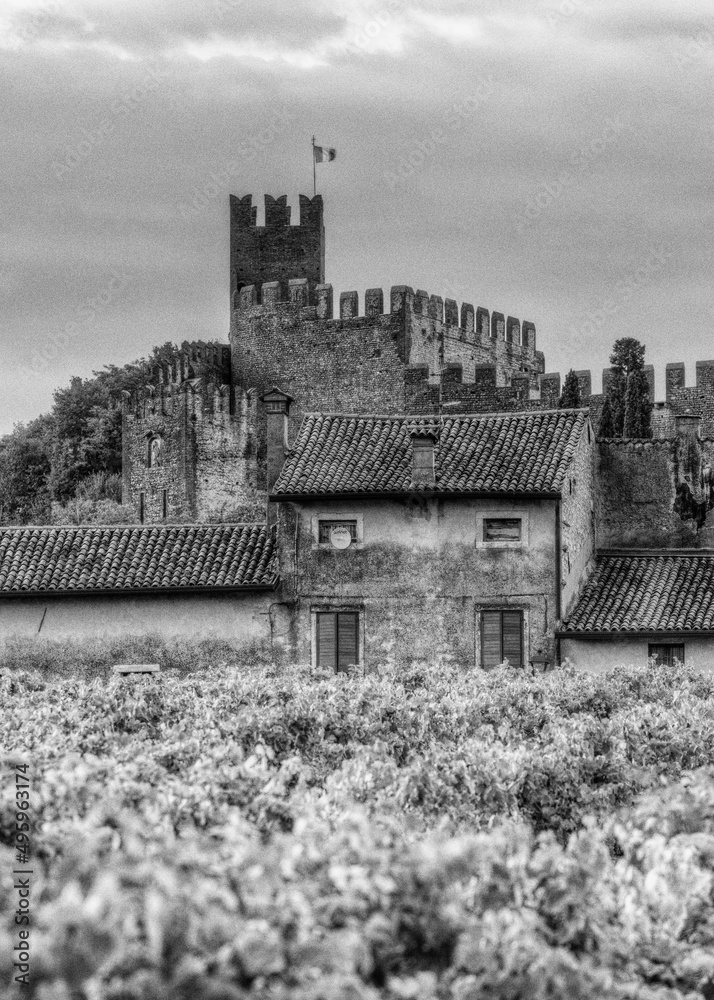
x,y
316,609
324,516
504,513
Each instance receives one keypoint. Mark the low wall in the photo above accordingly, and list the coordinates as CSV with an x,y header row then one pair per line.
x,y
241,619
599,656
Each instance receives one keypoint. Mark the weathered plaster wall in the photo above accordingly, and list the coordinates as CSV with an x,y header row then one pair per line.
x,y
578,520
601,655
422,576
240,618
636,493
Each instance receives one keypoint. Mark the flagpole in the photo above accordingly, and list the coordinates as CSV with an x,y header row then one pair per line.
x,y
314,176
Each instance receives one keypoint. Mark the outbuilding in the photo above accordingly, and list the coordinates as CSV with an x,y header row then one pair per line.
x,y
642,604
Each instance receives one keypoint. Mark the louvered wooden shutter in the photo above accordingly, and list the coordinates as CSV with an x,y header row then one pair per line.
x,y
327,640
347,639
513,638
491,638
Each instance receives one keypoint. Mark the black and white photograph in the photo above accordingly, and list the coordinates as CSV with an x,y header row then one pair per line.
x,y
357,500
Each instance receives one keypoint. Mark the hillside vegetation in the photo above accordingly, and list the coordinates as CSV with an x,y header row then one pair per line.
x,y
233,833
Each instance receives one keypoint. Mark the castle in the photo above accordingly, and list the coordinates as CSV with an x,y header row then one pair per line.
x,y
416,353
390,483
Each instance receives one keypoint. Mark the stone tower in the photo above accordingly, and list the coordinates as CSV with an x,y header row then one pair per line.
x,y
276,251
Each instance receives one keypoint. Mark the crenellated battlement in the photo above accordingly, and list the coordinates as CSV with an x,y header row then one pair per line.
x,y
197,379
433,330
466,321
277,250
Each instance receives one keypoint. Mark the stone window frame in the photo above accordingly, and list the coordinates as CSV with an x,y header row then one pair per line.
x,y
150,439
334,608
331,516
508,514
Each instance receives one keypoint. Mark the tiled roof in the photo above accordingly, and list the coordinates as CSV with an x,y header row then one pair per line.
x,y
658,592
161,557
493,453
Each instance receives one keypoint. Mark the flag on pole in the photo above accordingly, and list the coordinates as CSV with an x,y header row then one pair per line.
x,y
323,154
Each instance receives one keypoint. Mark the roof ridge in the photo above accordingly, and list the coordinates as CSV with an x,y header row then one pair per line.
x,y
133,527
651,553
444,416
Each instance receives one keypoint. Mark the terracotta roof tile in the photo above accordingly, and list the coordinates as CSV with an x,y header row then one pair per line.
x,y
35,560
499,453
658,592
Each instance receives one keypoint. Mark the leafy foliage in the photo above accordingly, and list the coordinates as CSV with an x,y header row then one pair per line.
x,y
58,458
627,394
248,832
570,398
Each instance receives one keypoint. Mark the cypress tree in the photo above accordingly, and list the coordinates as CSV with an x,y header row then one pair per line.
x,y
606,427
570,396
628,390
632,423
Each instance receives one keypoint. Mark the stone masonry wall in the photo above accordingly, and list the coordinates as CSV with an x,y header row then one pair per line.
x,y
206,463
636,496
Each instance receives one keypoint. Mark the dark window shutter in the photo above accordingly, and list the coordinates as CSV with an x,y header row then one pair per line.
x,y
347,639
491,638
513,638
327,640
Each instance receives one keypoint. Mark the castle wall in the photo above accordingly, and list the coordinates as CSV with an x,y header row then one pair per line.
x,y
206,467
636,495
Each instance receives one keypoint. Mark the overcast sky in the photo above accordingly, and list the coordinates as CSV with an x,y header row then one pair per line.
x,y
551,159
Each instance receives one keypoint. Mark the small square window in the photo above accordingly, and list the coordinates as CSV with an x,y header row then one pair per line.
x,y
325,529
502,529
666,653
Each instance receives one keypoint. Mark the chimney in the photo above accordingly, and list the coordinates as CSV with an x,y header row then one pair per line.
x,y
423,471
277,407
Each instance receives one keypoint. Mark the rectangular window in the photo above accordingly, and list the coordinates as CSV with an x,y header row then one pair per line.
x,y
501,638
164,504
502,529
667,652
337,639
325,527
142,505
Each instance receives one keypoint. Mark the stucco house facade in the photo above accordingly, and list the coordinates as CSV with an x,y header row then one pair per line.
x,y
454,539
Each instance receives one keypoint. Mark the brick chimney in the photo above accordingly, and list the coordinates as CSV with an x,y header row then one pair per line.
x,y
423,469
277,407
